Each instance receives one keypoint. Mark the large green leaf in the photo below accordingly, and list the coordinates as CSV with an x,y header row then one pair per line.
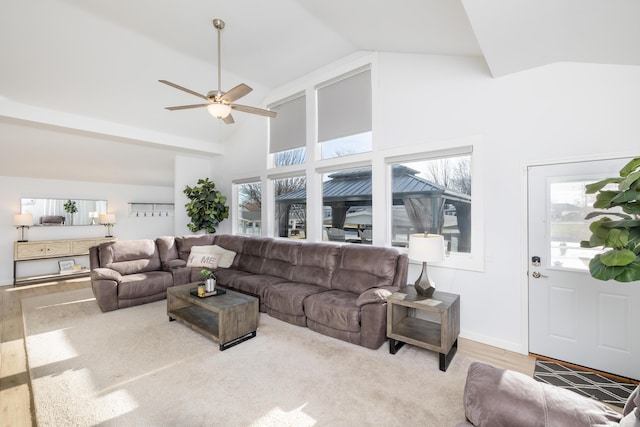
x,y
617,257
603,199
602,272
630,182
597,186
630,273
630,167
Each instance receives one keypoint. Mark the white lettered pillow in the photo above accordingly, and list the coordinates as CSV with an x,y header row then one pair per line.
x,y
201,256
225,256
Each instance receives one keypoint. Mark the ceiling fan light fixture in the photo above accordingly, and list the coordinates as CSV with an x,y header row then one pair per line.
x,y
219,110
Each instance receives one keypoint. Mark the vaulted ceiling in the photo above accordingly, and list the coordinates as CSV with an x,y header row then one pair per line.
x,y
83,74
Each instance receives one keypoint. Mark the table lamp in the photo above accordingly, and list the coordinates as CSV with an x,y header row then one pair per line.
x,y
23,221
426,248
107,220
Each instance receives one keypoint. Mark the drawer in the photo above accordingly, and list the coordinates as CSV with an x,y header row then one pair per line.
x,y
30,250
81,247
58,248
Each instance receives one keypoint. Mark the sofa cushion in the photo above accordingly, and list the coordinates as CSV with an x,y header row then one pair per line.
x,y
502,398
316,264
144,284
232,243
254,252
281,258
335,309
362,267
185,243
288,297
130,256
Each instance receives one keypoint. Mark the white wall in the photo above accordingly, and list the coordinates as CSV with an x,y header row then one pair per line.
x,y
12,189
561,111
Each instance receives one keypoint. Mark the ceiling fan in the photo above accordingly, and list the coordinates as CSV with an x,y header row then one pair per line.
x,y
219,103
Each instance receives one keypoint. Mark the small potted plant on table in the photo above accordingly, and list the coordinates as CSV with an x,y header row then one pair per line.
x,y
209,280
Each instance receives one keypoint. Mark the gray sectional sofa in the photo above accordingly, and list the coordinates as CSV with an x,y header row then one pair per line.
x,y
336,290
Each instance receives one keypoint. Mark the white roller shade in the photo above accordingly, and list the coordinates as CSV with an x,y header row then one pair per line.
x,y
344,107
288,130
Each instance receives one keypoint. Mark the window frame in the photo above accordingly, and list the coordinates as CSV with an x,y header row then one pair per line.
x,y
474,260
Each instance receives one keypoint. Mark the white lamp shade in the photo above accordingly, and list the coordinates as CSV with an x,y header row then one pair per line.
x,y
93,214
219,111
426,247
107,219
25,219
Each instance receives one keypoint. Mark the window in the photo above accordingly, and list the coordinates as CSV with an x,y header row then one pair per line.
x,y
344,115
433,196
346,200
249,208
290,207
288,132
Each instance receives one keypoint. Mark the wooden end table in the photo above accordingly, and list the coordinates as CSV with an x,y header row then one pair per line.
x,y
431,322
227,319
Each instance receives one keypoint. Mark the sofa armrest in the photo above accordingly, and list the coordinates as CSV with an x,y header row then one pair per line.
x,y
104,283
502,398
105,274
375,295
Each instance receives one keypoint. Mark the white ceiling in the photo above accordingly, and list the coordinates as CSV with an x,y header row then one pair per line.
x,y
83,73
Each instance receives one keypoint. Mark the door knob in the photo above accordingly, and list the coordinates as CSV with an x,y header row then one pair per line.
x,y
537,275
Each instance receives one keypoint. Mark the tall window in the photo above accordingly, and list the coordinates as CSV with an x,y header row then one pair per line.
x,y
290,206
344,115
287,132
433,196
347,212
249,209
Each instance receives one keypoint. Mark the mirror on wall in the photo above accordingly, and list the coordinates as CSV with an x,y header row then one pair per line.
x,y
52,212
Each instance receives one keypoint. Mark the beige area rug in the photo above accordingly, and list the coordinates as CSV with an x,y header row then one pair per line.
x,y
134,367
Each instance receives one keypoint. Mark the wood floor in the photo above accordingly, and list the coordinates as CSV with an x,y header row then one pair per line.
x,y
16,403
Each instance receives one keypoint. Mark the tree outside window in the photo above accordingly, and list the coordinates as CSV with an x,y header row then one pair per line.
x,y
249,209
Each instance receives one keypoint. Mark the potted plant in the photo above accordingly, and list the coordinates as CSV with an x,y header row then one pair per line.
x,y
620,235
209,280
206,206
70,207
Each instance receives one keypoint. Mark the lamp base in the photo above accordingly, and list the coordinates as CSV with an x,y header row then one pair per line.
x,y
425,291
423,285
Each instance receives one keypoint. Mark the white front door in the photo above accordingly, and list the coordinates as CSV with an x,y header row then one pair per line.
x,y
573,317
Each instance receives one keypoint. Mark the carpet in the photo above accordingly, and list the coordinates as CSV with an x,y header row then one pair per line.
x,y
588,384
134,367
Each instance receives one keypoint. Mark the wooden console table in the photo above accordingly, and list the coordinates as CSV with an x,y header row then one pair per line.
x,y
48,249
432,322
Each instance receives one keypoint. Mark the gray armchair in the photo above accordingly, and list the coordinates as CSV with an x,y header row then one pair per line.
x,y
502,398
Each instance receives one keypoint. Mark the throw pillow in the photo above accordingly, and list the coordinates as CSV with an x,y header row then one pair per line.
x,y
201,257
225,256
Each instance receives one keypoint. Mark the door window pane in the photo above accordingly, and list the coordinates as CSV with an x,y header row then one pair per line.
x,y
569,204
249,209
433,196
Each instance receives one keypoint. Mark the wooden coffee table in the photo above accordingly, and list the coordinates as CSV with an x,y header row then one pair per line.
x,y
227,319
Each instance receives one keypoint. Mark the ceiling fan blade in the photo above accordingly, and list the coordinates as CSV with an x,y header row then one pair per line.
x,y
229,119
236,93
184,89
186,107
254,110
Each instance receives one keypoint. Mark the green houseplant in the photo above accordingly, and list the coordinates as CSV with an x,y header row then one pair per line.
x,y
70,207
620,235
206,206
